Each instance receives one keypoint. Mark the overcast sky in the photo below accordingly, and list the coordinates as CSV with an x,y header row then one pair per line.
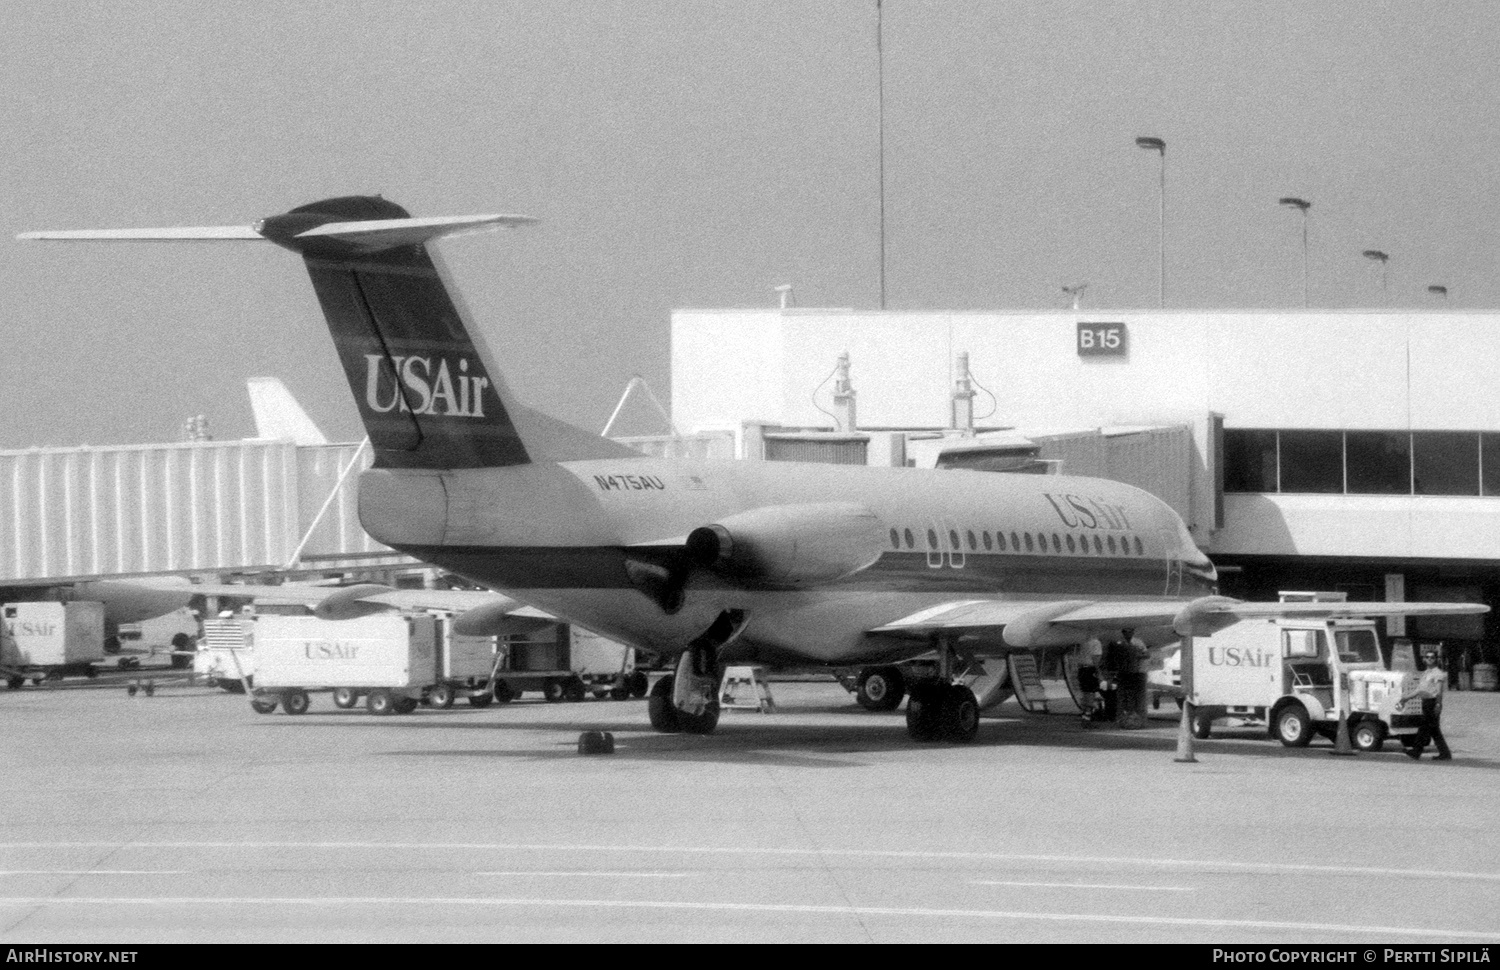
x,y
683,153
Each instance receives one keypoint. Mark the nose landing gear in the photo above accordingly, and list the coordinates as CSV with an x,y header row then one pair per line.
x,y
687,701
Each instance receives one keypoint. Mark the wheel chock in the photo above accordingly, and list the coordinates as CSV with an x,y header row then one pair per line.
x,y
596,742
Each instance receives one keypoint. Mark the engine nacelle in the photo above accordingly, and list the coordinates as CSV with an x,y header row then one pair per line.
x,y
790,545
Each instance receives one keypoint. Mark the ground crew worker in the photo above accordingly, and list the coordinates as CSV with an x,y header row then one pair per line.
x,y
1430,689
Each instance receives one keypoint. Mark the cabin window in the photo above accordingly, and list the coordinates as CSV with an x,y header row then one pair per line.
x,y
910,539
895,539
1098,545
953,538
1015,542
973,543
1111,542
1140,550
1029,544
932,542
988,542
1056,543
1071,547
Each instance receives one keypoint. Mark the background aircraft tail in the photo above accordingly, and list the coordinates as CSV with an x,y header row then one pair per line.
x,y
278,416
426,388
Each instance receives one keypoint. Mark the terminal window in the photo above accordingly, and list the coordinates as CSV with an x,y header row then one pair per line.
x,y
1312,461
1445,463
1362,462
1379,462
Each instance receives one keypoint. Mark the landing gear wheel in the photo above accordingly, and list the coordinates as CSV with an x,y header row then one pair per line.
x,y
640,685
263,705
344,697
1368,735
380,702
295,702
880,688
619,692
1293,727
1203,726
960,714
503,692
405,705
14,683
660,709
481,699
130,691
703,723
924,712
440,697
554,691
573,690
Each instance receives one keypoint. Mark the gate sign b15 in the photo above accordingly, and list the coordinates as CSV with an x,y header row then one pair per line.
x,y
1101,340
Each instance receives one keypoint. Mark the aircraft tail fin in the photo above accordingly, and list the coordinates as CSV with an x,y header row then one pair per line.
x,y
426,390
278,415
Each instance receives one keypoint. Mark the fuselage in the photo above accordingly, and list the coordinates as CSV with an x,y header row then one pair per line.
x,y
562,537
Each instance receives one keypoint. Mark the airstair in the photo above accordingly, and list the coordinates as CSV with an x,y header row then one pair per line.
x,y
1042,695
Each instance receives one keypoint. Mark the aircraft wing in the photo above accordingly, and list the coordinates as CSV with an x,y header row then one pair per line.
x,y
344,602
1029,624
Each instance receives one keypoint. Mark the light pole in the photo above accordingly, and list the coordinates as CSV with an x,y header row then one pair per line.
x,y
1301,205
1382,259
880,97
1160,147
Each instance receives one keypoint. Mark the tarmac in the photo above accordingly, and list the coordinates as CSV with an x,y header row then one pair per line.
x,y
186,817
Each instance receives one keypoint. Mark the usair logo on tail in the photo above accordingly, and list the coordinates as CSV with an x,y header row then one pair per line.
x,y
423,385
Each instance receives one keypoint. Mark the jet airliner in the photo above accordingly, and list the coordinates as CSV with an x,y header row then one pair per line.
x,y
717,562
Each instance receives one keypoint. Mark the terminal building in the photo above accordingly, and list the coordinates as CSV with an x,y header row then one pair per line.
x,y
1311,450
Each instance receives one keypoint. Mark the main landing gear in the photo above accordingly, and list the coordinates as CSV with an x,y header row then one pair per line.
x,y
688,701
940,710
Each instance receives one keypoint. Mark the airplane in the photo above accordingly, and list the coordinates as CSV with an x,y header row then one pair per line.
x,y
778,564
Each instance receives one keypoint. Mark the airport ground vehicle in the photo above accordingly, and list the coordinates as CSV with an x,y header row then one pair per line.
x,y
884,687
564,662
176,633
49,641
1295,676
390,659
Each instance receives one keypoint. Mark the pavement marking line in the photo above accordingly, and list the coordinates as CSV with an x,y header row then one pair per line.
x,y
93,871
1082,885
591,875
785,908
1274,867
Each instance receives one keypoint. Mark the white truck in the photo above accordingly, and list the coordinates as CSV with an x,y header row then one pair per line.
x,y
49,641
1295,676
389,658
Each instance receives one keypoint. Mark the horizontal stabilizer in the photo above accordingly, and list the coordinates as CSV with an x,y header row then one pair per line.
x,y
377,234
174,234
369,236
